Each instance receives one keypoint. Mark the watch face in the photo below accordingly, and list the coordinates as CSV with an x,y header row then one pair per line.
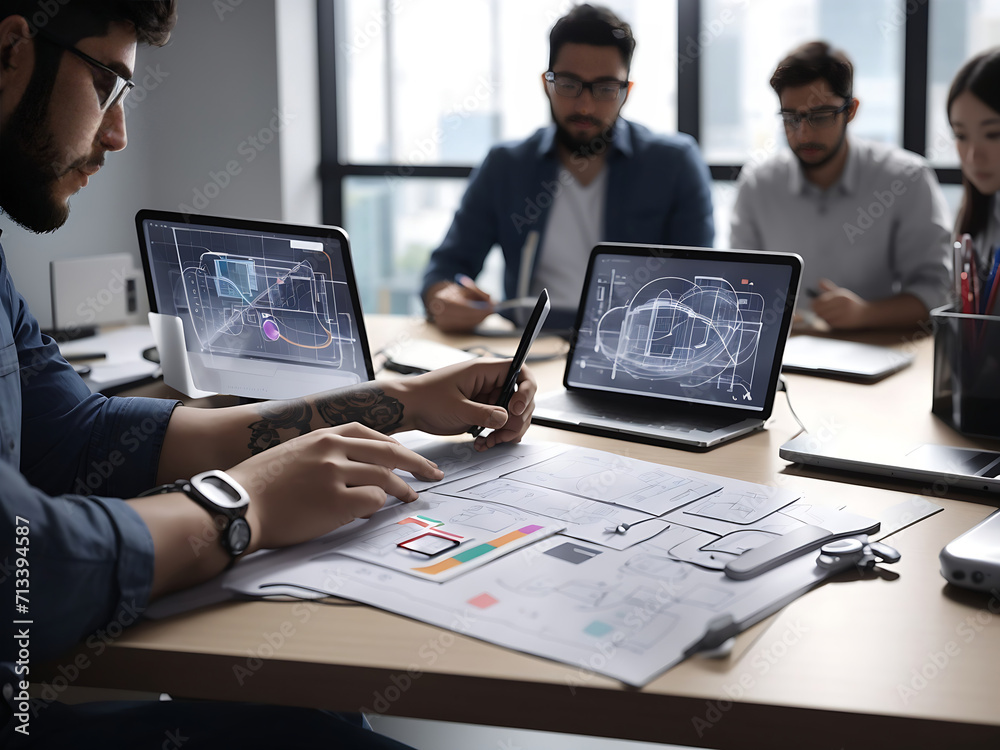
x,y
219,489
238,536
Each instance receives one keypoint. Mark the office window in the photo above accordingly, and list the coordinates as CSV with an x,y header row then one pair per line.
x,y
959,29
423,88
393,226
741,43
435,83
440,81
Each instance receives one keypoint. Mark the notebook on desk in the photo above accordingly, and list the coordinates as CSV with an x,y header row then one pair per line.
x,y
847,360
968,468
675,346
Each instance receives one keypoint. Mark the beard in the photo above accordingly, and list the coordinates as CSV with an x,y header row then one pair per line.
x,y
830,155
30,164
584,147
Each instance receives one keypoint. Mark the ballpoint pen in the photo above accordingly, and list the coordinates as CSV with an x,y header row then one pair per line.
x,y
466,281
990,290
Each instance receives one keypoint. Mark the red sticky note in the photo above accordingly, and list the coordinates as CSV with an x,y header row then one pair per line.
x,y
483,601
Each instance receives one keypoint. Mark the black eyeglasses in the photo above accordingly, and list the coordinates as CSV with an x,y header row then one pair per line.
x,y
818,119
602,91
110,86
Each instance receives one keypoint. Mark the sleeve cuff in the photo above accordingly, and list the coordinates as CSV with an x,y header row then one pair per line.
x,y
932,295
127,439
135,559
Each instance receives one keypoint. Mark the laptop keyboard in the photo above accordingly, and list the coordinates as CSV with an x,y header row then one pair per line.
x,y
590,407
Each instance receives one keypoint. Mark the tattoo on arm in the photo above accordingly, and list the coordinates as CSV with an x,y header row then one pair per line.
x,y
365,404
278,416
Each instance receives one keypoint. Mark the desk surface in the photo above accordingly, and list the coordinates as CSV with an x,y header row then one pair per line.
x,y
895,661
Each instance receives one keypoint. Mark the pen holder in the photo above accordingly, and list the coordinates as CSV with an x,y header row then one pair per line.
x,y
967,371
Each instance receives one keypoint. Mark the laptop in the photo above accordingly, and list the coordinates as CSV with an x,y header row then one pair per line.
x,y
675,346
968,468
847,360
266,310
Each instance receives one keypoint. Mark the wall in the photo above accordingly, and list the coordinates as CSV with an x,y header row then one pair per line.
x,y
206,126
298,91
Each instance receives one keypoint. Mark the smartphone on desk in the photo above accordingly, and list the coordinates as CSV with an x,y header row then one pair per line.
x,y
972,560
531,330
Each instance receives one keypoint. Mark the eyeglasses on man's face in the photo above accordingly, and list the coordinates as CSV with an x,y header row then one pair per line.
x,y
818,119
111,87
570,87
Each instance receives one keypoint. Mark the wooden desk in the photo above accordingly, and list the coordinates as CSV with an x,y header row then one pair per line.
x,y
899,661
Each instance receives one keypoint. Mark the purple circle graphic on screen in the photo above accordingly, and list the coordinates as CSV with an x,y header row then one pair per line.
x,y
270,329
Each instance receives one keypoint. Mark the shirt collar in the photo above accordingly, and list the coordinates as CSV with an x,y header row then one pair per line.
x,y
622,141
846,185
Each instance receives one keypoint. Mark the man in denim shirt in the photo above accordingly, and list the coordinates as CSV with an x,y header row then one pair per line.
x,y
590,177
74,555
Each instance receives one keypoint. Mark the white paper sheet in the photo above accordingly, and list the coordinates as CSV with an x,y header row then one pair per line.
x,y
624,605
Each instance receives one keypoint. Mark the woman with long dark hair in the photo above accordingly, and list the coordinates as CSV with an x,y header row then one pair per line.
x,y
974,114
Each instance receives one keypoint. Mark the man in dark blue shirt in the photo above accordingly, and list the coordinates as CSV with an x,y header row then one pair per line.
x,y
78,548
590,177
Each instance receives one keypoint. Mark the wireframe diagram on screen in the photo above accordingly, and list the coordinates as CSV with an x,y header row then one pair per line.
x,y
678,327
693,332
259,296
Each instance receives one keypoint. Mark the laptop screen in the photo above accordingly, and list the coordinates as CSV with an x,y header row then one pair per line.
x,y
686,324
258,292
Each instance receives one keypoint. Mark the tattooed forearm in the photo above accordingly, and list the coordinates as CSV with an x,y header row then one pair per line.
x,y
365,404
276,417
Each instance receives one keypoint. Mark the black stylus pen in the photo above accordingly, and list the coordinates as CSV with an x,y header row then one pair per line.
x,y
538,316
505,395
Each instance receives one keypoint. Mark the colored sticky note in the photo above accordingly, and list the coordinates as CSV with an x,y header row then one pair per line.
x,y
483,601
471,554
598,629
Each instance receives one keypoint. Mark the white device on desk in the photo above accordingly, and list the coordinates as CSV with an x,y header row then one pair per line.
x,y
112,359
675,346
420,355
814,355
969,468
972,560
266,310
94,291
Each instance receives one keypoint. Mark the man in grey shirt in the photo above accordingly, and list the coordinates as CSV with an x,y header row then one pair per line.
x,y
868,219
